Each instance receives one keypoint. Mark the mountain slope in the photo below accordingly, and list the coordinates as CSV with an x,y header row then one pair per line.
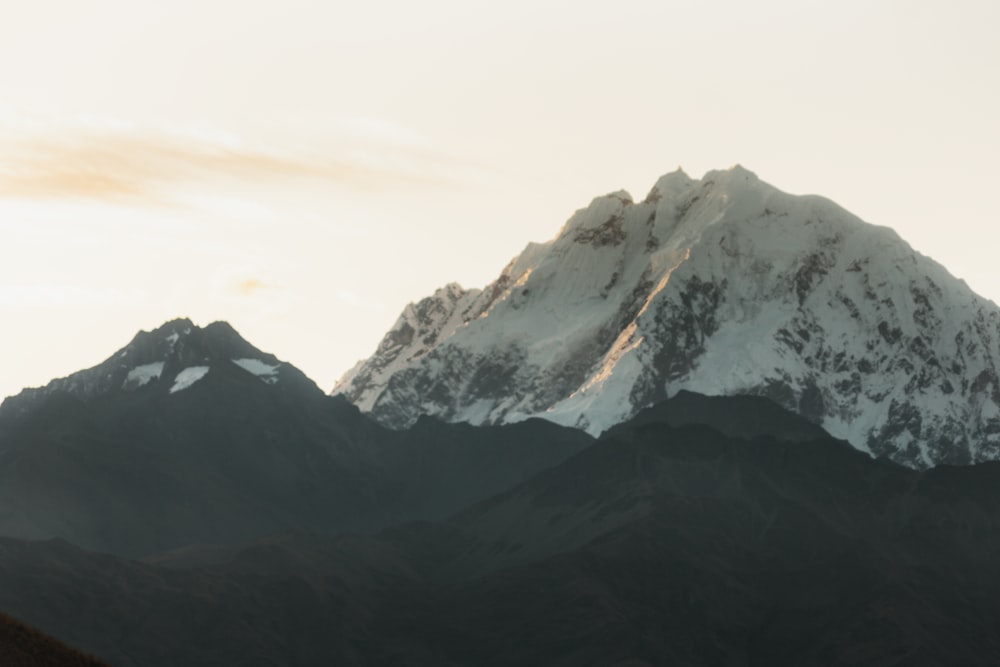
x,y
692,549
723,285
232,453
23,646
658,545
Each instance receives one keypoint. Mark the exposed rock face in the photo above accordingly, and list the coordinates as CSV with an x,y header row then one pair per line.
x,y
723,285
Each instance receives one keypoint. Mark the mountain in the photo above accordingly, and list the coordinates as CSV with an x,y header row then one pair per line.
x,y
168,359
659,544
722,286
23,646
191,435
735,416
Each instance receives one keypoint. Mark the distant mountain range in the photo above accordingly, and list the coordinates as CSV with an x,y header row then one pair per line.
x,y
723,285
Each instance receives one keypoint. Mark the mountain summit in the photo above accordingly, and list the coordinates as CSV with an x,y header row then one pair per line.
x,y
169,359
723,285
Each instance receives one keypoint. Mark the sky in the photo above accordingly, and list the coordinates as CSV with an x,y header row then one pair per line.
x,y
304,168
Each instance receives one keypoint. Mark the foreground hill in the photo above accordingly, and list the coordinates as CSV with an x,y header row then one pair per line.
x,y
663,543
723,286
23,646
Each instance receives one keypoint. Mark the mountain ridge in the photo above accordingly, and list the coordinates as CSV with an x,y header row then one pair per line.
x,y
659,544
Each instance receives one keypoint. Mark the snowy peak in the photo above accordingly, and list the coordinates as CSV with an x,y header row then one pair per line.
x,y
182,340
720,285
187,353
167,360
670,185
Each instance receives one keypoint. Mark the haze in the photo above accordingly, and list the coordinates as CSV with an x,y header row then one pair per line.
x,y
303,169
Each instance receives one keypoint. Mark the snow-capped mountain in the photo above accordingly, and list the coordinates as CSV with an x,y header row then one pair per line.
x,y
169,359
723,285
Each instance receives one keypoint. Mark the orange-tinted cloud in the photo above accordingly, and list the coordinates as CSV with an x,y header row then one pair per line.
x,y
144,167
251,286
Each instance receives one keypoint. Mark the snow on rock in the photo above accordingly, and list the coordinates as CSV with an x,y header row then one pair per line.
x,y
268,373
142,375
418,329
722,285
188,377
150,356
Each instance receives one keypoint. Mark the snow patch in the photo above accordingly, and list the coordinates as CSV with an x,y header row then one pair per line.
x,y
188,377
266,372
142,375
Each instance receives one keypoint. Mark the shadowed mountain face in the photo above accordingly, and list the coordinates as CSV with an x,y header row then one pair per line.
x,y
141,454
23,646
737,416
657,545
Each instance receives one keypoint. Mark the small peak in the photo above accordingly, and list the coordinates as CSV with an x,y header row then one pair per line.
x,y
182,339
452,291
221,339
180,325
603,210
669,185
621,195
220,327
169,332
739,170
736,173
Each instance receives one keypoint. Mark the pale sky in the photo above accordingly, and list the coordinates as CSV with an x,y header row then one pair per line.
x,y
304,168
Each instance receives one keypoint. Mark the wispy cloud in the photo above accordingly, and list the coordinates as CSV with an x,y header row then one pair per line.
x,y
251,286
67,296
124,162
